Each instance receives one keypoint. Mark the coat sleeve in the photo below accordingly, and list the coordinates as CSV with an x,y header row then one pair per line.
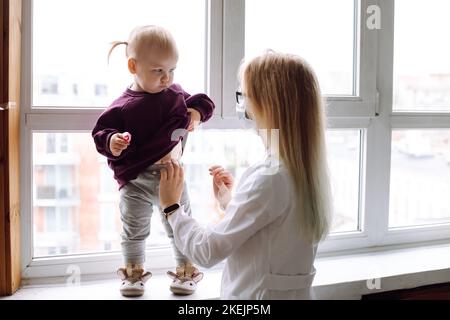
x,y
252,208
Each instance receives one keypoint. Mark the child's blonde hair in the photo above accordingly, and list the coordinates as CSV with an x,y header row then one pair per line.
x,y
146,38
284,91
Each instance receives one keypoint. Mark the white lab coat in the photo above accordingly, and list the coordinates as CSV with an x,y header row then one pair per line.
x,y
259,235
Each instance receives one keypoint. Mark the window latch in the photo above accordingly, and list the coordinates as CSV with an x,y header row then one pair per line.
x,y
7,105
377,104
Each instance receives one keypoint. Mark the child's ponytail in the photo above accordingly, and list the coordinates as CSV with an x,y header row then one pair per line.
x,y
115,44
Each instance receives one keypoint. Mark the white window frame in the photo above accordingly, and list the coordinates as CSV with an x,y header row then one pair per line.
x,y
376,155
361,104
393,120
368,110
74,119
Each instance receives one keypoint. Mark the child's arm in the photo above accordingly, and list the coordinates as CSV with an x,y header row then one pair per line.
x,y
196,119
201,103
110,125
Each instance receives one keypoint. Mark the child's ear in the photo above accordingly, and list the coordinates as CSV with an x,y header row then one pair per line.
x,y
132,65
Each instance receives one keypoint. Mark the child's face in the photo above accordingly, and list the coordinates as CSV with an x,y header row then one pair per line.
x,y
154,71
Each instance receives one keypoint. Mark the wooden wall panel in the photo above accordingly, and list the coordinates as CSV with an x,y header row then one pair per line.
x,y
10,162
15,40
3,135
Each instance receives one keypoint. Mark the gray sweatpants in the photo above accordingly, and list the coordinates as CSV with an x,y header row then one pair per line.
x,y
137,199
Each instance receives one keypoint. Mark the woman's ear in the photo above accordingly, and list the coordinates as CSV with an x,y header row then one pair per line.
x,y
132,65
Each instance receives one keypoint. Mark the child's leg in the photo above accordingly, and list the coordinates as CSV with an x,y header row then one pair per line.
x,y
187,275
179,257
136,210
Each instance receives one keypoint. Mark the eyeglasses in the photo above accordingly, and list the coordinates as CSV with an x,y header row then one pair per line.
x,y
241,108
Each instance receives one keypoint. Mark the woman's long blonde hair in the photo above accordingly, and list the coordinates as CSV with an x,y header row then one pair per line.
x,y
283,90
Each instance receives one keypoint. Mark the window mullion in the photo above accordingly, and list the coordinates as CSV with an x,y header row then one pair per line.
x,y
26,84
378,143
420,120
81,120
233,51
367,45
26,192
214,54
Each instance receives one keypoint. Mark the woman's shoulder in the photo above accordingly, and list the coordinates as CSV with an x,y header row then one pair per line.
x,y
270,166
268,184
267,174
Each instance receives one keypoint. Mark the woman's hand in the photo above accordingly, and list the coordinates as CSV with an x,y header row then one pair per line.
x,y
119,142
171,184
223,183
195,119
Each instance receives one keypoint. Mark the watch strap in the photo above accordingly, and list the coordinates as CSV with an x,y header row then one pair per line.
x,y
170,209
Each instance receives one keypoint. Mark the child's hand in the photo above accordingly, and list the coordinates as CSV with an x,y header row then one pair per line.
x,y
195,119
223,183
119,142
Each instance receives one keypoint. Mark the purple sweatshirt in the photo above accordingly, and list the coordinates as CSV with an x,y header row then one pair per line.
x,y
151,118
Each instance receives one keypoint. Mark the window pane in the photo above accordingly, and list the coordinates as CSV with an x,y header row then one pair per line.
x,y
421,56
71,40
420,178
70,199
236,150
50,219
75,202
86,218
320,31
343,160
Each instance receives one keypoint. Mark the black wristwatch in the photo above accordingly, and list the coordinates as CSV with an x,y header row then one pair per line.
x,y
170,209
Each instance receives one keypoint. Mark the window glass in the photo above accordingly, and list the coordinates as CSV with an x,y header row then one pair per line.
x,y
71,42
320,31
76,200
421,56
420,178
344,162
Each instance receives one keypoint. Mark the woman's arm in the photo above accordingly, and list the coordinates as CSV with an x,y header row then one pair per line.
x,y
248,212
223,183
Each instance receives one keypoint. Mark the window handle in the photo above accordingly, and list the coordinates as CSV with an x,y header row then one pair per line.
x,y
7,105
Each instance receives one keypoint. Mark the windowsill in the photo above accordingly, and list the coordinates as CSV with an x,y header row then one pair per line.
x,y
340,277
157,288
346,276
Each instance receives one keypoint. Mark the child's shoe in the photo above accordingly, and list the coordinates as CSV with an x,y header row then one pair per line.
x,y
133,281
185,280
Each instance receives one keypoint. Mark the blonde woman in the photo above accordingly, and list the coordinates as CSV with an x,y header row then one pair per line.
x,y
278,214
136,134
